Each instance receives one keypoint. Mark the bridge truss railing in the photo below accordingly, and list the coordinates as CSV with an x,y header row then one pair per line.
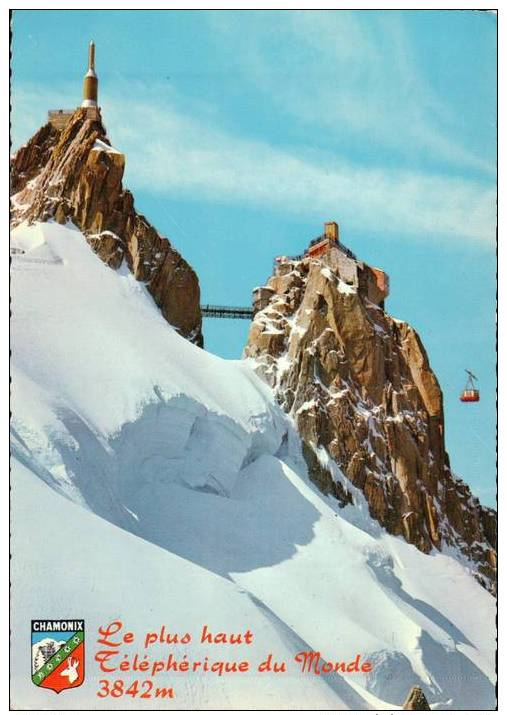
x,y
225,311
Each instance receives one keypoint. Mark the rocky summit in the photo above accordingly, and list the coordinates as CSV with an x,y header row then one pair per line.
x,y
74,174
359,387
416,700
356,381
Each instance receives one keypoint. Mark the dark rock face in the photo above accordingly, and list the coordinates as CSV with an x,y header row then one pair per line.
x,y
358,384
31,157
416,700
76,175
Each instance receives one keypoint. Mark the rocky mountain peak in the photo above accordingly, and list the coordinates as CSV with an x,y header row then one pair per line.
x,y
74,174
358,384
416,700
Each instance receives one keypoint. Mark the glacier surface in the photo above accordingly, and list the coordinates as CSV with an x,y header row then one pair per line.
x,y
174,492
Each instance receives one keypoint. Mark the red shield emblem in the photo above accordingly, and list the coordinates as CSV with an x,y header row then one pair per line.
x,y
58,654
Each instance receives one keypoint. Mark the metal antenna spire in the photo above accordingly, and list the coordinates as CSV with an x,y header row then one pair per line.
x,y
91,56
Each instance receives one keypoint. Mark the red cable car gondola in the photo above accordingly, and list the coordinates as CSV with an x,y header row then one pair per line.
x,y
470,393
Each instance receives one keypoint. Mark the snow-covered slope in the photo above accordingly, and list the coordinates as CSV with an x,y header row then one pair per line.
x,y
117,412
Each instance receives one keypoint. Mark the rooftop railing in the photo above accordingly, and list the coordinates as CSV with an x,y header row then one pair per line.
x,y
314,242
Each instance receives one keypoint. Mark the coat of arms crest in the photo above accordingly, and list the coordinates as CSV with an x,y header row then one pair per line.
x,y
58,654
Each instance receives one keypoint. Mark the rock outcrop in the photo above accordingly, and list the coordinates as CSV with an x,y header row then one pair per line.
x,y
75,174
416,700
30,158
359,387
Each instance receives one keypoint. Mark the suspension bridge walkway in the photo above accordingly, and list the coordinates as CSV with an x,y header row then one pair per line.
x,y
224,311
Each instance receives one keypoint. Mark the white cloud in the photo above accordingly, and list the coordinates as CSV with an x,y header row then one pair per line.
x,y
176,154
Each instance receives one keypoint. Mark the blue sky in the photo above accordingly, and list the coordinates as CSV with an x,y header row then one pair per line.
x,y
245,130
